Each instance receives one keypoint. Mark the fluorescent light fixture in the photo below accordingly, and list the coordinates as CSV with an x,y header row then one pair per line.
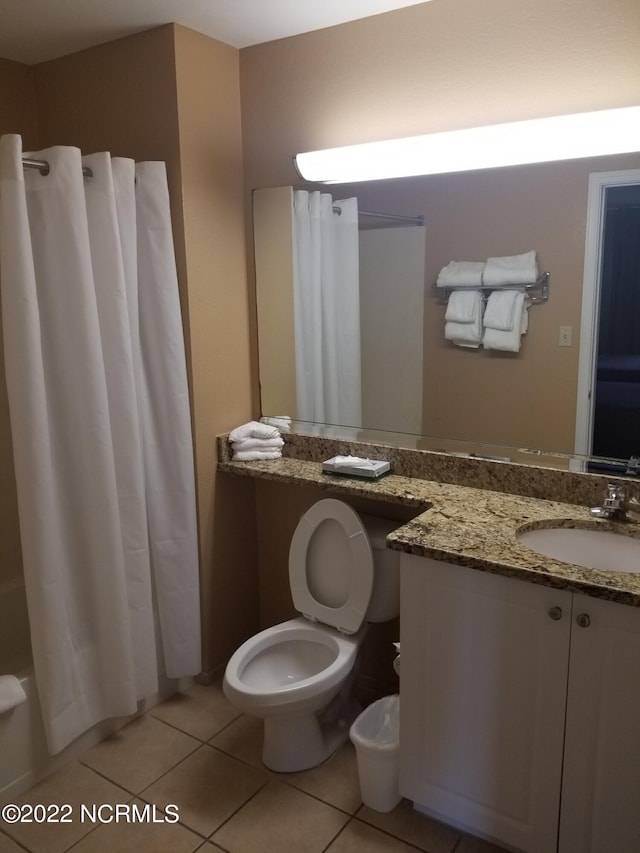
x,y
533,141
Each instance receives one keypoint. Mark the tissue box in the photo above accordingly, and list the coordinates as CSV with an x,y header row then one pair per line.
x,y
354,466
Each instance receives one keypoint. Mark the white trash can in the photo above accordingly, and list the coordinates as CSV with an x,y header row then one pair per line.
x,y
375,735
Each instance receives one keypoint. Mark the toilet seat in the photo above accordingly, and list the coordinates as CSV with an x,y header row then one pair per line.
x,y
331,566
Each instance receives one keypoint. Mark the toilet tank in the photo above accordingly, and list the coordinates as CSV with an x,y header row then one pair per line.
x,y
385,596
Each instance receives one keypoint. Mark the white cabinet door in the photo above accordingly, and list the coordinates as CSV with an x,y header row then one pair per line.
x,y
483,687
601,778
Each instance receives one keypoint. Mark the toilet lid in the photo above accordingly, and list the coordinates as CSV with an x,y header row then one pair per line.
x,y
331,566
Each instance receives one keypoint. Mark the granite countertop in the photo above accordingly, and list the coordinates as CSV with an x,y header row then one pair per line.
x,y
469,526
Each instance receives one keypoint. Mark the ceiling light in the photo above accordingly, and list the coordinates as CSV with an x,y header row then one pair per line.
x,y
534,141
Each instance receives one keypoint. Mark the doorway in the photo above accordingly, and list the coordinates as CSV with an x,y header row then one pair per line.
x,y
608,410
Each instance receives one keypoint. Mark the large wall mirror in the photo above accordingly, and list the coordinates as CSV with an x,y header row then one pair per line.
x,y
414,382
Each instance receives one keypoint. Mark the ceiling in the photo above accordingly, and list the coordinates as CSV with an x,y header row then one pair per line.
x,y
33,31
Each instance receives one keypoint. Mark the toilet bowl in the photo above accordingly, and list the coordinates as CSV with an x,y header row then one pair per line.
x,y
298,676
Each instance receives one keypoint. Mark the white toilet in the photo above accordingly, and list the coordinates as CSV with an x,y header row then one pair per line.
x,y
298,675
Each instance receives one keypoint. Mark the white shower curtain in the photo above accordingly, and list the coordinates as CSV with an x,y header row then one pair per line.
x,y
100,426
326,309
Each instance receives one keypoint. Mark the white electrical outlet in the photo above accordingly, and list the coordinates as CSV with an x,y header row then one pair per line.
x,y
566,336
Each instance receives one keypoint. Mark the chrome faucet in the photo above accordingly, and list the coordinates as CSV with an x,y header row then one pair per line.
x,y
617,506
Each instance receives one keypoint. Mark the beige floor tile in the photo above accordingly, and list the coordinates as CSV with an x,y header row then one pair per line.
x,y
405,823
334,782
9,846
74,785
242,739
208,787
358,836
145,832
140,753
201,711
281,819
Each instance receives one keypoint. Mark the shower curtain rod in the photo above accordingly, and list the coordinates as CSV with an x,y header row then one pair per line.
x,y
43,167
417,220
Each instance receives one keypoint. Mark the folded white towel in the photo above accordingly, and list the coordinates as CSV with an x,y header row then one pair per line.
x,y
502,309
461,274
464,334
253,429
509,341
258,444
510,269
11,693
253,455
282,422
468,306
463,306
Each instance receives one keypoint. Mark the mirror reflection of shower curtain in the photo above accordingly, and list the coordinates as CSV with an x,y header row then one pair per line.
x,y
326,309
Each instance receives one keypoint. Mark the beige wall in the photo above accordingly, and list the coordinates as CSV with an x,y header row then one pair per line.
x,y
436,66
211,162
18,113
173,95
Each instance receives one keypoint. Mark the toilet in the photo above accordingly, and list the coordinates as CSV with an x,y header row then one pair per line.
x,y
298,676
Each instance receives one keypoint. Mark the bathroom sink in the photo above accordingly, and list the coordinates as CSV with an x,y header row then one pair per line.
x,y
592,549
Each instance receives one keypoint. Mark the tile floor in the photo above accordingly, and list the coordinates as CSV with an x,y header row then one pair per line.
x,y
197,753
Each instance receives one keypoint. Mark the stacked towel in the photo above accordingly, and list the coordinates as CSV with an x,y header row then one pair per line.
x,y
254,440
464,318
461,274
505,320
509,270
496,272
253,429
282,422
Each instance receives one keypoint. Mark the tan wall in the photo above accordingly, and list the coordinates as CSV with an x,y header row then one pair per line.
x,y
211,158
443,65
18,112
17,115
436,66
173,95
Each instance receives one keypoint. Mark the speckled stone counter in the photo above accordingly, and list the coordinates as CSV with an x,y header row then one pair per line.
x,y
511,478
473,527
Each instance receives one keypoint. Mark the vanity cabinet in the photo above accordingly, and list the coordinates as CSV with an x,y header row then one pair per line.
x,y
601,773
520,710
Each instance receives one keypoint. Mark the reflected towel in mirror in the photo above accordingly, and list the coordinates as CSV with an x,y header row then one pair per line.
x,y
510,269
502,311
461,274
509,340
463,316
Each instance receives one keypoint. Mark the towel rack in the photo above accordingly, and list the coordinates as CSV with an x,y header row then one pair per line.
x,y
537,291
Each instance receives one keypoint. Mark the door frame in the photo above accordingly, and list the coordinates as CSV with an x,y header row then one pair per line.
x,y
599,182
